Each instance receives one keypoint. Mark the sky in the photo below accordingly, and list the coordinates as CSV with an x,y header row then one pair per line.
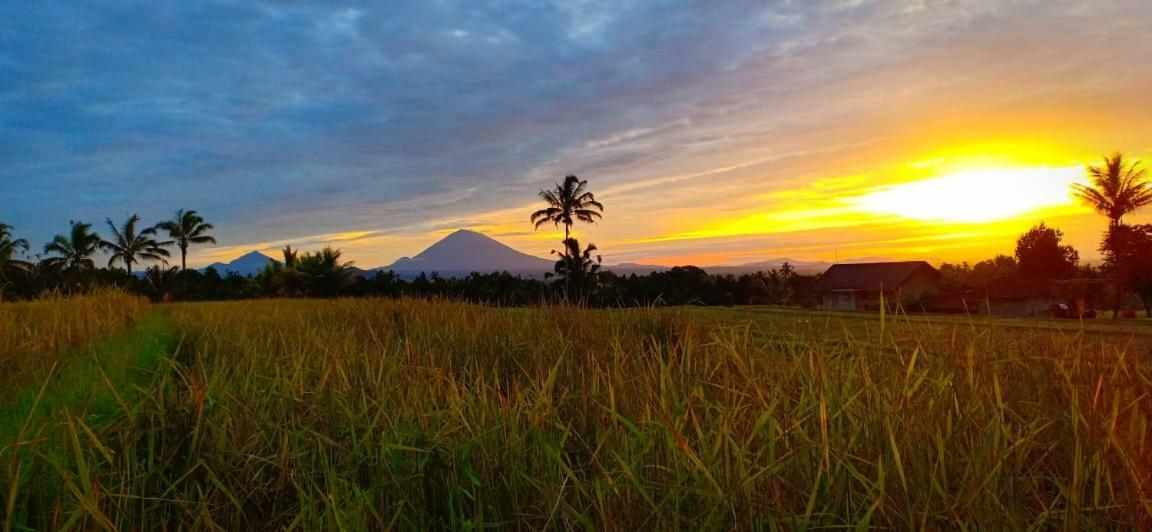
x,y
714,131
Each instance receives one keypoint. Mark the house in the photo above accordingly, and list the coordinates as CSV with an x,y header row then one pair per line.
x,y
859,286
1015,295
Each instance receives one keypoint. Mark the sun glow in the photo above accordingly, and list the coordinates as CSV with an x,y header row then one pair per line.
x,y
976,196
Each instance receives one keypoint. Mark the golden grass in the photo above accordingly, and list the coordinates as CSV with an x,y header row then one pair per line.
x,y
371,414
34,335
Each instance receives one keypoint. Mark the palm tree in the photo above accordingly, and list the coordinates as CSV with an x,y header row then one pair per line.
x,y
568,203
9,247
578,269
74,251
162,281
291,256
129,246
185,229
282,279
322,272
1118,187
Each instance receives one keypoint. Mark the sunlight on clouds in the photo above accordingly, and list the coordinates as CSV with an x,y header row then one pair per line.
x,y
942,205
976,196
989,154
961,203
793,124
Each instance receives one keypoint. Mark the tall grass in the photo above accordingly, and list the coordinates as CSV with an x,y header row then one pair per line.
x,y
34,335
366,414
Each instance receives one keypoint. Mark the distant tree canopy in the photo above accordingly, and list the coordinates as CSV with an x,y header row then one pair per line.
x,y
1127,251
323,273
316,274
577,270
1041,254
70,268
981,273
11,248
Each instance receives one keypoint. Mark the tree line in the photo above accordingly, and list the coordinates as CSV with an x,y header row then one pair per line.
x,y
67,266
1117,188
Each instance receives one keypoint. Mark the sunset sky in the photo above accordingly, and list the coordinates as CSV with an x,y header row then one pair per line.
x,y
715,132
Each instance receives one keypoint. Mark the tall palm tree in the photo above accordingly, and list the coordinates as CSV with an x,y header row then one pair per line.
x,y
568,203
185,229
74,251
130,246
1118,187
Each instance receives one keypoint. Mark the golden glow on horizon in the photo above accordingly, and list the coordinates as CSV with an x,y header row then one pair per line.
x,y
976,196
941,192
964,203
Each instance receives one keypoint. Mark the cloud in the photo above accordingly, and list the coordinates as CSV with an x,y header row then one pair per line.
x,y
285,120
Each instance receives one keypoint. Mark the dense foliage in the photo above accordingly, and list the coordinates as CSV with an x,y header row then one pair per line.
x,y
1041,254
1127,253
682,285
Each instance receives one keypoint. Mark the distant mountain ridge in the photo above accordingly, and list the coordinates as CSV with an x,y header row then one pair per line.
x,y
800,266
466,251
247,264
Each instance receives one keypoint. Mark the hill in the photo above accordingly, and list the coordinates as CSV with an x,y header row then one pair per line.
x,y
465,251
801,267
247,264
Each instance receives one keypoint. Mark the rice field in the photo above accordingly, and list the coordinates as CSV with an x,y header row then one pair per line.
x,y
383,414
35,335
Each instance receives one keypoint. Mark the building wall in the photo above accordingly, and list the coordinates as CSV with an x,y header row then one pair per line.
x,y
868,301
838,300
918,285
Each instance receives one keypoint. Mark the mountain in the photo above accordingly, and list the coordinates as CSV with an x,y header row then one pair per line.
x,y
464,252
247,264
802,267
629,268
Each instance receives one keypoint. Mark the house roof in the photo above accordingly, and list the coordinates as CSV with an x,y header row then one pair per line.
x,y
871,275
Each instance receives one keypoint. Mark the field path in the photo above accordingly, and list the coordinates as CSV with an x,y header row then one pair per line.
x,y
96,384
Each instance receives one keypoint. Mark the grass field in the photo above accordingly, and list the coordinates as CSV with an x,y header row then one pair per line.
x,y
378,414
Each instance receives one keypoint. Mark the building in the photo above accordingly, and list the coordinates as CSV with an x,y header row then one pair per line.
x,y
859,286
1014,295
